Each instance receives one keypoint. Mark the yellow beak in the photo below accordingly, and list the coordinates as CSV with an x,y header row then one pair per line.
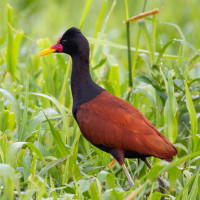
x,y
47,51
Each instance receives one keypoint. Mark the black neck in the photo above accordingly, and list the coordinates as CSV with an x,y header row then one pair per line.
x,y
83,87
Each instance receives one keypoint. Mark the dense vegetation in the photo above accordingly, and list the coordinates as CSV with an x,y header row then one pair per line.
x,y
42,152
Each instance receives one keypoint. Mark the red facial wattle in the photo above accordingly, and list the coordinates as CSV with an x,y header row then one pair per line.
x,y
55,48
58,47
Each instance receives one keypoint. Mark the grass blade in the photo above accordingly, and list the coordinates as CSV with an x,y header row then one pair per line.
x,y
9,181
10,64
172,109
147,38
22,133
193,116
124,47
14,104
35,121
60,108
85,12
98,24
194,190
59,143
52,164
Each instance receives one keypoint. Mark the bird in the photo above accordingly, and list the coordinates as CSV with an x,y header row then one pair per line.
x,y
106,121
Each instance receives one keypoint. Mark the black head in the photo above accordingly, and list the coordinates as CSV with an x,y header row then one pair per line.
x,y
72,42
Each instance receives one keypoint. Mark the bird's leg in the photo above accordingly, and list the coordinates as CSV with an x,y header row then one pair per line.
x,y
118,154
130,180
160,180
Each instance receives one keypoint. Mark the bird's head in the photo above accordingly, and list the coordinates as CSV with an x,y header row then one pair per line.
x,y
72,42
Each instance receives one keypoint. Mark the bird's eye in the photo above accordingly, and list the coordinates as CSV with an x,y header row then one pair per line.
x,y
64,42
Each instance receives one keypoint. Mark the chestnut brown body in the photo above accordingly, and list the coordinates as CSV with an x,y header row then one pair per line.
x,y
116,127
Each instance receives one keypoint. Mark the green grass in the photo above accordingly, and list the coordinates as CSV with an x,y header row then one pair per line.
x,y
42,151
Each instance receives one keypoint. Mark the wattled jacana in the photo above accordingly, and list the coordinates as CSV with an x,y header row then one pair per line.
x,y
108,122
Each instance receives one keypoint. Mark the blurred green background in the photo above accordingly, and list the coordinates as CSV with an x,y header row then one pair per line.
x,y
42,152
39,19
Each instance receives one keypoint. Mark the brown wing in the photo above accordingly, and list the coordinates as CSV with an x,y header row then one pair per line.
x,y
108,120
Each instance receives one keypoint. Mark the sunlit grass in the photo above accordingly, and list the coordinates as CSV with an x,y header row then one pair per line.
x,y
42,151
